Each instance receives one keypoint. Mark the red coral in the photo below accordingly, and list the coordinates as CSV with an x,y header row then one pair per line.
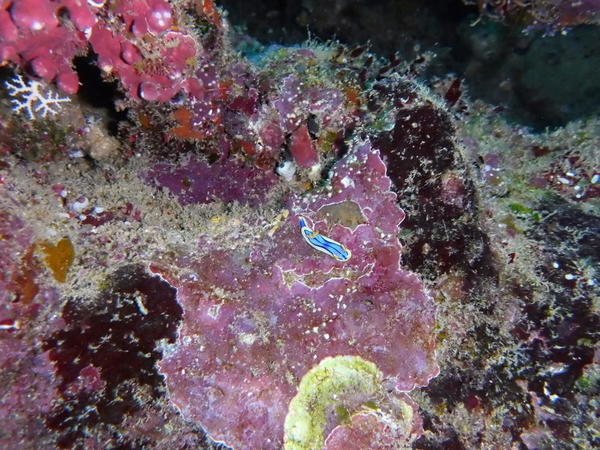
x,y
302,148
157,76
142,16
136,41
32,34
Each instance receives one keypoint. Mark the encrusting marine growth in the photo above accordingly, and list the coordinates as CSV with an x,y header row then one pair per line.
x,y
297,247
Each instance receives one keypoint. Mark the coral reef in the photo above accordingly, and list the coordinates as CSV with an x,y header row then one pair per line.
x,y
198,182
529,330
304,247
141,42
28,311
284,307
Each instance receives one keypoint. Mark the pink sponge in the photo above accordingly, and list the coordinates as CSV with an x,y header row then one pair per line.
x,y
30,33
124,36
34,15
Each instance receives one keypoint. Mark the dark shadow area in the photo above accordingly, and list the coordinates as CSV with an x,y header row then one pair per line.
x,y
390,25
538,81
98,93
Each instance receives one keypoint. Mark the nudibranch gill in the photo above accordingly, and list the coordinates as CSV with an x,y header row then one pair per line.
x,y
324,244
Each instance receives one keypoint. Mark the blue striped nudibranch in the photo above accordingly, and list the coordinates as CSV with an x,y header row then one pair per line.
x,y
324,244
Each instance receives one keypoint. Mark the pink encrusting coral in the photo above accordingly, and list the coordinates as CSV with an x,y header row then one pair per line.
x,y
296,101
364,430
302,148
27,390
30,33
256,322
155,61
267,116
226,181
136,41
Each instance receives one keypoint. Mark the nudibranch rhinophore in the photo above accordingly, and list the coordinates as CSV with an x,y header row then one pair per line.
x,y
324,244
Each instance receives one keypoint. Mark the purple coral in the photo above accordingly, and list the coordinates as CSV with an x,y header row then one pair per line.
x,y
226,181
255,324
27,385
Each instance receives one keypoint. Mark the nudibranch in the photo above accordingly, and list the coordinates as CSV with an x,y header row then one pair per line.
x,y
324,244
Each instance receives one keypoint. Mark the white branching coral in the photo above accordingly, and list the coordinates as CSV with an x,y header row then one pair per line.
x,y
32,98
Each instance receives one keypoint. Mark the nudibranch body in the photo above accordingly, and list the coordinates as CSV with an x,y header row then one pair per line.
x,y
324,244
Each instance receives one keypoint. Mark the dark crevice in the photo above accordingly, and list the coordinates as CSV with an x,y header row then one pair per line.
x,y
98,93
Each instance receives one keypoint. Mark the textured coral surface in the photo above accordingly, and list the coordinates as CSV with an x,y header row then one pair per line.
x,y
219,243
255,323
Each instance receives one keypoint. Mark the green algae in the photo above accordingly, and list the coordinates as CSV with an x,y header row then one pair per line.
x,y
523,210
324,389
